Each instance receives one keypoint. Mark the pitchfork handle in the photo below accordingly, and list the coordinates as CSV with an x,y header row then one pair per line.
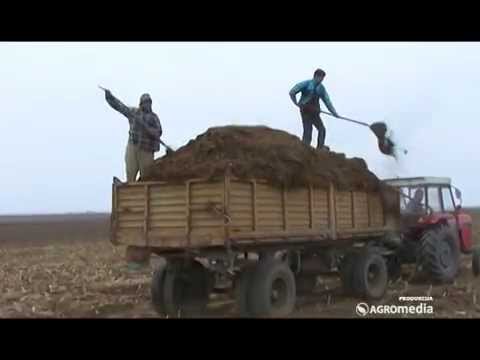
x,y
168,147
344,118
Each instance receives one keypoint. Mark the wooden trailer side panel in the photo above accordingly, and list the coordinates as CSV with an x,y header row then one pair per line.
x,y
375,209
164,215
242,210
320,208
203,213
270,210
360,210
129,212
298,211
256,206
343,210
207,223
262,213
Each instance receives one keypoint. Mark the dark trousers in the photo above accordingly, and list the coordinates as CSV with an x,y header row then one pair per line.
x,y
309,120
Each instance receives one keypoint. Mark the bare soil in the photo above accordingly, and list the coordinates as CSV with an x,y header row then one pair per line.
x,y
64,266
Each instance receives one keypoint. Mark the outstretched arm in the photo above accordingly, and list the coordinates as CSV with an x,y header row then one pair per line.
x,y
328,103
117,104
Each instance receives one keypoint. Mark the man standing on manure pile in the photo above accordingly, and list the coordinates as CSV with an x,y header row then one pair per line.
x,y
144,134
309,104
143,142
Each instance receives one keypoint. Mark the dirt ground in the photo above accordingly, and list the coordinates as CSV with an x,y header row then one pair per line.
x,y
64,266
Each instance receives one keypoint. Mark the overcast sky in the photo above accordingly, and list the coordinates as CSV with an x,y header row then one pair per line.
x,y
62,144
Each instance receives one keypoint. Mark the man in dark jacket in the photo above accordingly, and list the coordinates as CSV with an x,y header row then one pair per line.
x,y
143,142
144,134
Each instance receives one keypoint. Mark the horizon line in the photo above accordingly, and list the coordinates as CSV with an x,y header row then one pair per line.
x,y
109,212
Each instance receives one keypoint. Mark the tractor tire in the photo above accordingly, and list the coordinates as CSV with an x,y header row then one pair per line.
x,y
243,284
370,275
346,273
476,262
439,255
273,290
186,289
156,290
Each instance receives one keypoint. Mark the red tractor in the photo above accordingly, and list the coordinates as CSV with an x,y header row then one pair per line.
x,y
435,230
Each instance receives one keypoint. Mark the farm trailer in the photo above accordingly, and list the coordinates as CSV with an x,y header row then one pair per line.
x,y
265,243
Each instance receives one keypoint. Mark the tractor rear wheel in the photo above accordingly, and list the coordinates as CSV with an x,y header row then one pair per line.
x,y
439,255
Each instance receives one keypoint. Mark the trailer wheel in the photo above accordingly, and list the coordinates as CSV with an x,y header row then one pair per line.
x,y
346,272
156,290
242,289
186,289
439,254
272,292
370,275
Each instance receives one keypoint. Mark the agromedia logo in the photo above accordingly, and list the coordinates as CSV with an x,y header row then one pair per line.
x,y
422,308
362,309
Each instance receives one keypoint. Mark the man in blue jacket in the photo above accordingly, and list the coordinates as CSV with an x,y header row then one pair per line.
x,y
312,91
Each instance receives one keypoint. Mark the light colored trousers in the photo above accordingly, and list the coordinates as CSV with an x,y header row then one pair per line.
x,y
137,160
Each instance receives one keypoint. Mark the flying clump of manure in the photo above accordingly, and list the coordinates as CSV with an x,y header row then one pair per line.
x,y
261,152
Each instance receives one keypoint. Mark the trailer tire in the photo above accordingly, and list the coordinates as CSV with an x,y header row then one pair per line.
x,y
370,275
439,254
186,289
243,285
156,290
346,273
273,291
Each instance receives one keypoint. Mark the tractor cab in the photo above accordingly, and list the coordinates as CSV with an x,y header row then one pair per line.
x,y
426,202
